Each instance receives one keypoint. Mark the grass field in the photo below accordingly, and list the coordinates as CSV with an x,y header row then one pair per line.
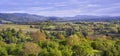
x,y
25,28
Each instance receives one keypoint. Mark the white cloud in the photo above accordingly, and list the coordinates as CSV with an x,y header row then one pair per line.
x,y
93,5
39,8
13,12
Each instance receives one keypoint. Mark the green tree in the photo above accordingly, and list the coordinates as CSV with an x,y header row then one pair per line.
x,y
21,37
3,51
101,44
79,50
60,36
73,40
66,51
13,39
1,38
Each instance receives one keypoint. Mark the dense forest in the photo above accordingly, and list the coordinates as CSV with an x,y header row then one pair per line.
x,y
62,39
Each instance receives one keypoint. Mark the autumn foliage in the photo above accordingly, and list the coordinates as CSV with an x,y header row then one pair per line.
x,y
31,49
38,36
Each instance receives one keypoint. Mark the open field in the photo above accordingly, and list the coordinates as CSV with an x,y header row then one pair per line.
x,y
25,28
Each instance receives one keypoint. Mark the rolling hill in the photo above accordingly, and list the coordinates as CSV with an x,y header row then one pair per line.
x,y
24,17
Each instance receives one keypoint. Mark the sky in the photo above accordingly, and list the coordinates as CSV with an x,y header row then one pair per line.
x,y
61,7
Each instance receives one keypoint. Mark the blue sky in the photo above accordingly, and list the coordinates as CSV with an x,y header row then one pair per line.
x,y
61,7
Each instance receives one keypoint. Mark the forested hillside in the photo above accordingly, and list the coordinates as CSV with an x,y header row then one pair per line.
x,y
24,17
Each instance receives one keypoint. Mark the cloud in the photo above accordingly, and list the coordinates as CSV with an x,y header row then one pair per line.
x,y
109,9
61,7
13,12
93,5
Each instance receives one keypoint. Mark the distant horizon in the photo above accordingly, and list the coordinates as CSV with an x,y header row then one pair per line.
x,y
62,8
59,16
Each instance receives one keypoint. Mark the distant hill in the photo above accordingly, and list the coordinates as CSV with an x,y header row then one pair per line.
x,y
24,17
21,17
91,18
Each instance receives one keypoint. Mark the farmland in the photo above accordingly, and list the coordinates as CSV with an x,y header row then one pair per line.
x,y
25,28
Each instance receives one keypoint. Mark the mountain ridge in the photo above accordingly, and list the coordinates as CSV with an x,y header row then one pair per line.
x,y
25,17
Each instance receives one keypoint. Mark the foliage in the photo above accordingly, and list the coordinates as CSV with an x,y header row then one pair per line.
x,y
62,39
38,36
31,49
